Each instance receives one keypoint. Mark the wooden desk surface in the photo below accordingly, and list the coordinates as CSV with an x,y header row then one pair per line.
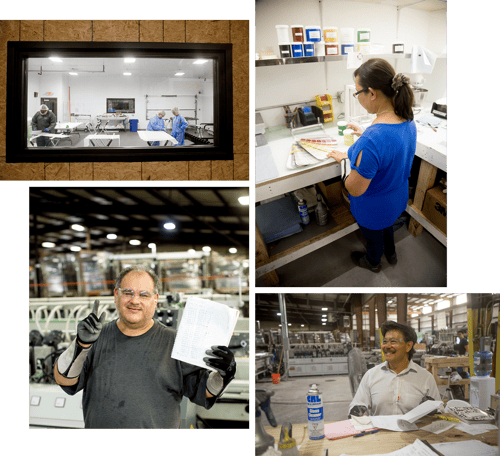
x,y
380,443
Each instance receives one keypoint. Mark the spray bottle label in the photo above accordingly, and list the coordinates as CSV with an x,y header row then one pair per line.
x,y
315,417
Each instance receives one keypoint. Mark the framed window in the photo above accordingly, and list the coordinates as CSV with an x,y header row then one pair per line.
x,y
84,77
119,105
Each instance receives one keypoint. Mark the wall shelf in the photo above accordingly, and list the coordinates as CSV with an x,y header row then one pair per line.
x,y
329,58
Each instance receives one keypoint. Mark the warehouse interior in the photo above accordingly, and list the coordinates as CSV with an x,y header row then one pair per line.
x,y
305,339
195,239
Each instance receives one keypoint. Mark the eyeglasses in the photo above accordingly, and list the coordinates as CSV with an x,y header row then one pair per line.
x,y
129,294
391,341
358,92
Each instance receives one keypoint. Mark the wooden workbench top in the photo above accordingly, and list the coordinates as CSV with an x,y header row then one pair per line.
x,y
382,442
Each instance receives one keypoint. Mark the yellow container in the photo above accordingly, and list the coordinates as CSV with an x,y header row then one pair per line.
x,y
331,34
326,104
348,137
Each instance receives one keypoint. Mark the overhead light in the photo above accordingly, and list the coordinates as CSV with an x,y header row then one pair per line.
x,y
289,324
278,313
127,74
233,250
75,248
134,242
48,245
324,308
129,60
200,62
77,227
301,326
414,315
73,73
55,59
191,251
244,200
206,249
169,226
323,319
151,245
112,236
324,315
323,324
180,73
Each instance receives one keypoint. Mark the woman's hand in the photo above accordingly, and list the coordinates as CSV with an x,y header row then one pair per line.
x,y
336,155
356,129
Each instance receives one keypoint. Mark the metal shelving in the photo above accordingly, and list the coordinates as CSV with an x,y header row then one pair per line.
x,y
329,58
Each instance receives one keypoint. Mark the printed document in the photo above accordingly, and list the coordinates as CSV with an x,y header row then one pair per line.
x,y
417,448
405,422
204,323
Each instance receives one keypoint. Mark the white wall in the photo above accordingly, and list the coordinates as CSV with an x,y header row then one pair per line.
x,y
287,84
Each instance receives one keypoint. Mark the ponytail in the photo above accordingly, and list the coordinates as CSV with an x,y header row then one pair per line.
x,y
403,98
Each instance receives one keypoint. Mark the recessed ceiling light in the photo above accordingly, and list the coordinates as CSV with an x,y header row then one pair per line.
x,y
206,249
129,60
233,250
169,226
75,248
324,308
77,227
244,200
73,73
134,242
127,74
180,73
191,251
55,59
48,245
200,62
111,236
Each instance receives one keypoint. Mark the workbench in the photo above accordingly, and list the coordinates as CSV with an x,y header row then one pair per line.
x,y
434,364
152,136
382,442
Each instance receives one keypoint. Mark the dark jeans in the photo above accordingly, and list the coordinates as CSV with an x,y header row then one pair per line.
x,y
378,242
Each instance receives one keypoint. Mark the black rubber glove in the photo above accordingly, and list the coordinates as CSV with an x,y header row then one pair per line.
x,y
88,330
428,398
358,410
223,362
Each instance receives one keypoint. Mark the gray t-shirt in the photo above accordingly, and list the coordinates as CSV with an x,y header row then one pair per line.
x,y
133,382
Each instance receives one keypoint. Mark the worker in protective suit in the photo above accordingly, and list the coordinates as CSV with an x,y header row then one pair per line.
x,y
45,121
179,126
157,124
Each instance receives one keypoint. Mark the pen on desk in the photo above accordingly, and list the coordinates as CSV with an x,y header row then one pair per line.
x,y
431,126
366,433
447,418
326,452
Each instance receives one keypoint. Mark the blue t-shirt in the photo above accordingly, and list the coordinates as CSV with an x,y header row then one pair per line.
x,y
388,151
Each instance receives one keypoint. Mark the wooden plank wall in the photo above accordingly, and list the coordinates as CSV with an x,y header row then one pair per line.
x,y
235,32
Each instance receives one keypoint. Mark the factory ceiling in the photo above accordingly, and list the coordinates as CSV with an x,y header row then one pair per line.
x,y
202,217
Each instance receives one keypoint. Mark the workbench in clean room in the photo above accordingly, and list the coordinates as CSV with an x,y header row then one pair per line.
x,y
383,442
273,178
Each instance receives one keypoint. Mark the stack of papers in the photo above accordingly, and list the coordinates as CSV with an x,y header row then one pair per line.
x,y
405,422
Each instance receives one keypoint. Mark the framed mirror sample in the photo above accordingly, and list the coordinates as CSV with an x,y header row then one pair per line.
x,y
118,102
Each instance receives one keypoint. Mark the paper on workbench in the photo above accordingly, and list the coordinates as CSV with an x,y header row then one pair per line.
x,y
469,447
417,448
361,423
204,323
405,422
475,429
438,426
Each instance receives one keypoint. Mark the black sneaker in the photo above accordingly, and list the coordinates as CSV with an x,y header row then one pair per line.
x,y
393,259
360,260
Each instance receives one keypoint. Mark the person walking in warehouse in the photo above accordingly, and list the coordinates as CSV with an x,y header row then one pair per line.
x,y
398,385
381,159
45,121
463,345
179,126
157,124
125,368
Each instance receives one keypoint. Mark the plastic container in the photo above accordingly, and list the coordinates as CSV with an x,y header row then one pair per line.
x,y
332,49
321,212
348,137
283,36
398,48
275,378
331,34
285,50
347,35
483,363
346,47
309,49
341,125
363,35
313,33
364,48
134,124
319,48
297,33
297,50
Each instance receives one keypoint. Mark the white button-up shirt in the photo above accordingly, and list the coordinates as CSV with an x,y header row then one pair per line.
x,y
384,392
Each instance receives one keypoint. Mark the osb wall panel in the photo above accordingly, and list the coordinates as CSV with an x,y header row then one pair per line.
x,y
235,32
151,31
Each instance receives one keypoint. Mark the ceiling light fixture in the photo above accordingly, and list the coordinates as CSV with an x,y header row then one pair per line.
x,y
169,226
112,236
127,74
244,200
48,245
206,249
129,60
75,248
72,73
180,73
55,59
77,227
134,242
233,250
200,62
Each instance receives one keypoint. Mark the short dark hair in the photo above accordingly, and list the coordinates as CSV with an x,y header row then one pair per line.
x,y
139,268
408,332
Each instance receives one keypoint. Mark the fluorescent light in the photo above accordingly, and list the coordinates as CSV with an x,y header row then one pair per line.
x,y
191,251
323,319
48,245
301,326
324,315
55,59
112,236
200,62
129,60
151,245
278,313
134,242
180,73
73,74
324,308
206,249
233,250
289,324
127,74
77,227
323,324
169,226
244,200
75,248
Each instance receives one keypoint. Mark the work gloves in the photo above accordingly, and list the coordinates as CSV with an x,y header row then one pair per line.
x,y
358,410
429,398
88,330
223,362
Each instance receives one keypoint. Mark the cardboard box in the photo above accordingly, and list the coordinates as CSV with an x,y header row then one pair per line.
x,y
435,207
332,191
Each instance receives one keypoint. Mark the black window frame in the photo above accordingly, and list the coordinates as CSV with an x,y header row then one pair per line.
x,y
120,99
17,83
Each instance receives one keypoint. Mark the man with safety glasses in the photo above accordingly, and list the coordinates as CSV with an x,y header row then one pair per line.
x,y
398,385
125,366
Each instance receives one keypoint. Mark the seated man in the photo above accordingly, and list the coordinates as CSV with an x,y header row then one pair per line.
x,y
398,385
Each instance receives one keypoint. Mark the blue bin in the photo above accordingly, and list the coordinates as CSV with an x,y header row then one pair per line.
x,y
133,124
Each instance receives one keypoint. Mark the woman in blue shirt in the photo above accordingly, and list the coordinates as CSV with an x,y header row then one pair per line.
x,y
381,159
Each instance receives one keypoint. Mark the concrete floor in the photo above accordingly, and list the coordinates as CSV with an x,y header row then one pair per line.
x,y
421,263
289,401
